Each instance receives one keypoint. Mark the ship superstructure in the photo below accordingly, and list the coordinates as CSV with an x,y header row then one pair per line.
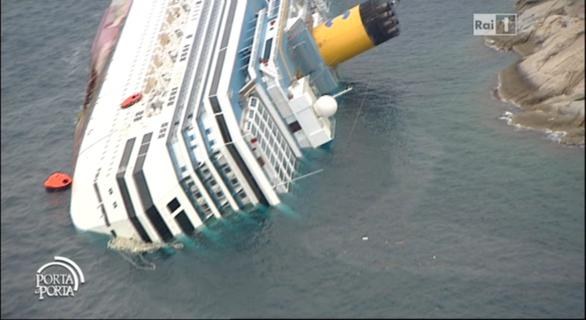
x,y
227,95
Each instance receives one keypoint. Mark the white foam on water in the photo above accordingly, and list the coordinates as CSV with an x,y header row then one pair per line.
x,y
553,135
507,116
556,136
492,45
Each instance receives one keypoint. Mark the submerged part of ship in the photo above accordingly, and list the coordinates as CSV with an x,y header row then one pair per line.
x,y
231,92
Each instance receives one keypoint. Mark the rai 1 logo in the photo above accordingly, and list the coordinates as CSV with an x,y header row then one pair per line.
x,y
59,278
494,24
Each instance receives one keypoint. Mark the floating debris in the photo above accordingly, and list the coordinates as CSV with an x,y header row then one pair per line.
x,y
136,246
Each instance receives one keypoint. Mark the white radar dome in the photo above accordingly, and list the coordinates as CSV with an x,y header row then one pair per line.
x,y
326,106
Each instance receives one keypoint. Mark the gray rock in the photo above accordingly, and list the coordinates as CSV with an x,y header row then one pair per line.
x,y
548,82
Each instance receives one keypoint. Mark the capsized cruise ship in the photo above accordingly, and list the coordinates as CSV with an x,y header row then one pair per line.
x,y
197,109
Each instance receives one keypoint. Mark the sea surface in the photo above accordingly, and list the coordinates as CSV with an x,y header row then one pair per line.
x,y
428,205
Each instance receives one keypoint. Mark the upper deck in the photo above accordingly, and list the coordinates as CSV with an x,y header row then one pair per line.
x,y
150,57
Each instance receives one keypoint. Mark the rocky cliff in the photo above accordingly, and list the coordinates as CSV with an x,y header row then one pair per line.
x,y
547,84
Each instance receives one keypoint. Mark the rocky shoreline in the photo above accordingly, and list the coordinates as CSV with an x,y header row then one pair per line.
x,y
547,84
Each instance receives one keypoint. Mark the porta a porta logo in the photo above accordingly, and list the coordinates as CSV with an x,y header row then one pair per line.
x,y
59,278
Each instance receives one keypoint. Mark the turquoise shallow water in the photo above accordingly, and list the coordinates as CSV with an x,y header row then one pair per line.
x,y
465,216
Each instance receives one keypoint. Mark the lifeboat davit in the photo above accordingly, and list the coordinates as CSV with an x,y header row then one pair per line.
x,y
58,181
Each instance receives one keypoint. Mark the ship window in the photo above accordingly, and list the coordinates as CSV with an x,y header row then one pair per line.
x,y
184,223
294,126
268,46
173,205
159,224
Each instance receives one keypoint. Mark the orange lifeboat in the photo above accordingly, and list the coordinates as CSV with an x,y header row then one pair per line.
x,y
131,100
58,181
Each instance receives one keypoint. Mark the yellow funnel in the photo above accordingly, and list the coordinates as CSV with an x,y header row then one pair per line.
x,y
355,31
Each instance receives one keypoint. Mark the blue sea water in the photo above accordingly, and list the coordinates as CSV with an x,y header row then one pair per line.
x,y
464,215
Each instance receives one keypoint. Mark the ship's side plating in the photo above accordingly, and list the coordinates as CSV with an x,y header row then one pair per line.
x,y
232,92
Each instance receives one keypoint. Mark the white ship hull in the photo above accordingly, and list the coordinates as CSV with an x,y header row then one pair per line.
x,y
228,103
